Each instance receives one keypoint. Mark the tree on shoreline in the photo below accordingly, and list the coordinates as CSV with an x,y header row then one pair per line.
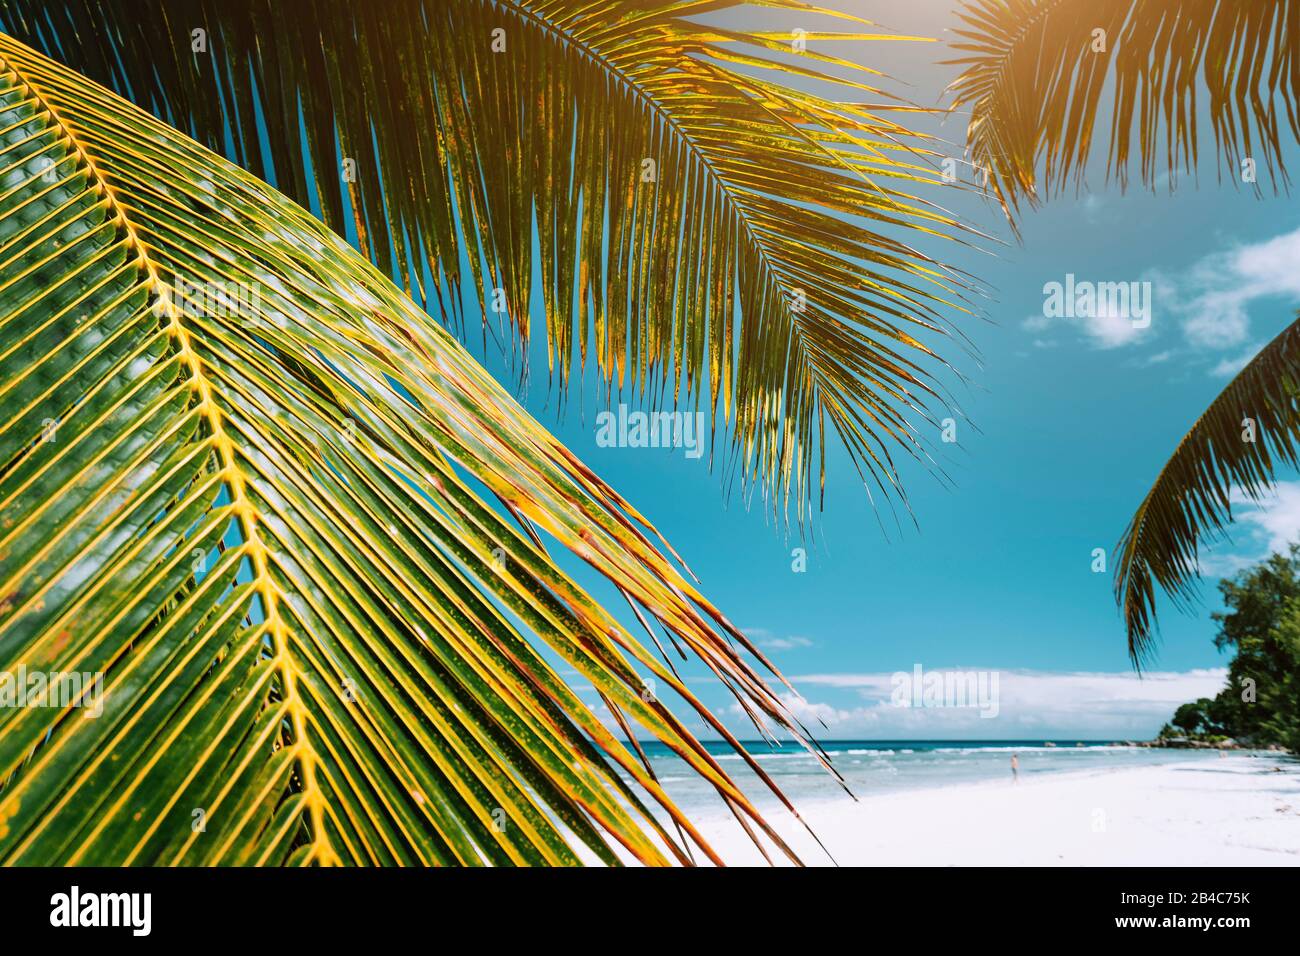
x,y
1261,703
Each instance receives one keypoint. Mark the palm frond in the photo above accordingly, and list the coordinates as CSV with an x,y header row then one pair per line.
x,y
1035,87
1238,443
705,228
243,483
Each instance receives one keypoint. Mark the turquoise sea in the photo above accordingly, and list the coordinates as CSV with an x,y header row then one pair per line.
x,y
881,766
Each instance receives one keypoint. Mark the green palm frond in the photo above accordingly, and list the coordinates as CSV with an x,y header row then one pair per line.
x,y
1035,87
1238,443
707,227
244,481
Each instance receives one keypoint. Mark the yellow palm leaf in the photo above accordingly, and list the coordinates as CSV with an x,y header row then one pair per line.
x,y
722,218
243,485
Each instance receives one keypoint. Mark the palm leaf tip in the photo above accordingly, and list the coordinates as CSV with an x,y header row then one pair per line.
x,y
253,509
681,183
1250,430
1041,77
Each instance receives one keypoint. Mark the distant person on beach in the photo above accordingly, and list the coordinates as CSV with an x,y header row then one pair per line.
x,y
1015,768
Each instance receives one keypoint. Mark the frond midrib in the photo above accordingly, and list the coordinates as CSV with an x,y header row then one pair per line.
x,y
245,512
730,201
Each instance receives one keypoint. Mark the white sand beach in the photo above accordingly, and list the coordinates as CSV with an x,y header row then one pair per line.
x,y
1239,810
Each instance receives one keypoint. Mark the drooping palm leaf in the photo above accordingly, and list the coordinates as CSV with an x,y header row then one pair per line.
x,y
1035,87
702,218
1238,443
258,512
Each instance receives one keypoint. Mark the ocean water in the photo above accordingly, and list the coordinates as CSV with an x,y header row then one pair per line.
x,y
883,766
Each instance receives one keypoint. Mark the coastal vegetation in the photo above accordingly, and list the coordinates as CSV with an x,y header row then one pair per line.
x,y
1260,704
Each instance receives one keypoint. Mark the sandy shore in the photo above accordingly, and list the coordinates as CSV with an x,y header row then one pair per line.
x,y
1235,811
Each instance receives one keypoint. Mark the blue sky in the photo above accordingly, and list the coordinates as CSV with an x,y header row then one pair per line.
x,y
1075,418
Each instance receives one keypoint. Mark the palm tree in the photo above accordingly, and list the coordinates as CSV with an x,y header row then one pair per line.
x,y
255,605
1037,76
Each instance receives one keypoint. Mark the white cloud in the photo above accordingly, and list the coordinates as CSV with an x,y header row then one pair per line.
x,y
1276,517
1213,299
785,643
807,712
1092,206
1259,529
1110,330
1228,367
1213,566
1216,293
1108,319
772,642
1218,320
1031,704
